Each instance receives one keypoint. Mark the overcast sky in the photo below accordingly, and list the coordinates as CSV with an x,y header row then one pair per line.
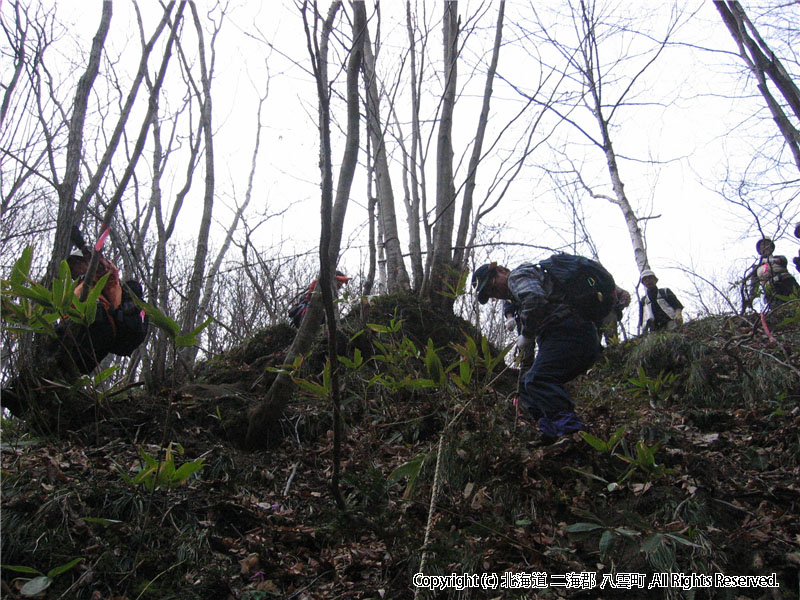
x,y
693,138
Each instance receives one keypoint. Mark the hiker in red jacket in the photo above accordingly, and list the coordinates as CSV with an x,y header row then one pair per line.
x,y
298,310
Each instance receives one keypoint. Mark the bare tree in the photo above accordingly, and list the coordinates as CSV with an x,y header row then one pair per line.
x,y
440,255
466,224
69,182
23,177
767,68
764,183
209,285
264,418
448,247
606,86
198,270
137,149
397,275
413,164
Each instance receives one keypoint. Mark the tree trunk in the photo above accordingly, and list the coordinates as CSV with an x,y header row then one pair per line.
x,y
137,149
413,169
442,253
113,143
621,200
460,254
69,184
397,275
19,46
372,202
593,81
763,63
262,427
212,273
198,270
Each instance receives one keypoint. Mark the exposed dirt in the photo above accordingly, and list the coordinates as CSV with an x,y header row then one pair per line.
x,y
703,479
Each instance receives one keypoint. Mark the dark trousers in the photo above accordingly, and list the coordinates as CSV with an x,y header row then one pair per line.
x,y
785,286
565,351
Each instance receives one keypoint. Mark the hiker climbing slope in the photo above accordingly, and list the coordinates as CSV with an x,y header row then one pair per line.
x,y
770,277
303,300
120,326
609,326
558,302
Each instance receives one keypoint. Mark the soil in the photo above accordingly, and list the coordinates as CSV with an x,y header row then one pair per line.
x,y
702,478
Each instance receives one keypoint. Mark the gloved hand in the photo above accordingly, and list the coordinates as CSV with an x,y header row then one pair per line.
x,y
76,238
523,342
511,324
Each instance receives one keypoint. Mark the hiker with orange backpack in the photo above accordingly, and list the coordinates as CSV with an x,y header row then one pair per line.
x,y
120,326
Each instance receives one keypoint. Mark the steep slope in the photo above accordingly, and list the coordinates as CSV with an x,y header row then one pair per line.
x,y
690,467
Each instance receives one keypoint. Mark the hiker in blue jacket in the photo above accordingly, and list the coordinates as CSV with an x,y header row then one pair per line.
x,y
568,343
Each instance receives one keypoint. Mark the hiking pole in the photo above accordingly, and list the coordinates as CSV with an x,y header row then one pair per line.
x,y
518,363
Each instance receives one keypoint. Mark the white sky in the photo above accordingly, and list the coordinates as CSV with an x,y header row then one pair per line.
x,y
695,229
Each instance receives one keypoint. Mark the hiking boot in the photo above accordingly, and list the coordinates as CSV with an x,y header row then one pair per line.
x,y
560,424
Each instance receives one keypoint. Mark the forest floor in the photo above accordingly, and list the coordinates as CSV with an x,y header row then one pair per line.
x,y
691,469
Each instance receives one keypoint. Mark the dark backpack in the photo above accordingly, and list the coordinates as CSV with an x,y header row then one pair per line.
x,y
584,284
297,312
130,321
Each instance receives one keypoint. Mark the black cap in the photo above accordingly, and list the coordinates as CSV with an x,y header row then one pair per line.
x,y
480,281
763,244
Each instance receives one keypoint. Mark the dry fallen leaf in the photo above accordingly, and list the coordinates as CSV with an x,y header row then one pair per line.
x,y
250,564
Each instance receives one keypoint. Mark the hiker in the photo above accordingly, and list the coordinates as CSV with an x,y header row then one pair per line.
x,y
770,276
796,259
303,300
550,313
608,326
659,308
119,327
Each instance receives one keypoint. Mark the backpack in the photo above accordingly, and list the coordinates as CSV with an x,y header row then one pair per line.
x,y
583,283
130,321
771,269
297,312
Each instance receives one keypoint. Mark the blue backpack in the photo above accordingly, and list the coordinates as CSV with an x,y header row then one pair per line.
x,y
583,283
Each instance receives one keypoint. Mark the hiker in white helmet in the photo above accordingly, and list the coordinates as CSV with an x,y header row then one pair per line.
x,y
659,308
